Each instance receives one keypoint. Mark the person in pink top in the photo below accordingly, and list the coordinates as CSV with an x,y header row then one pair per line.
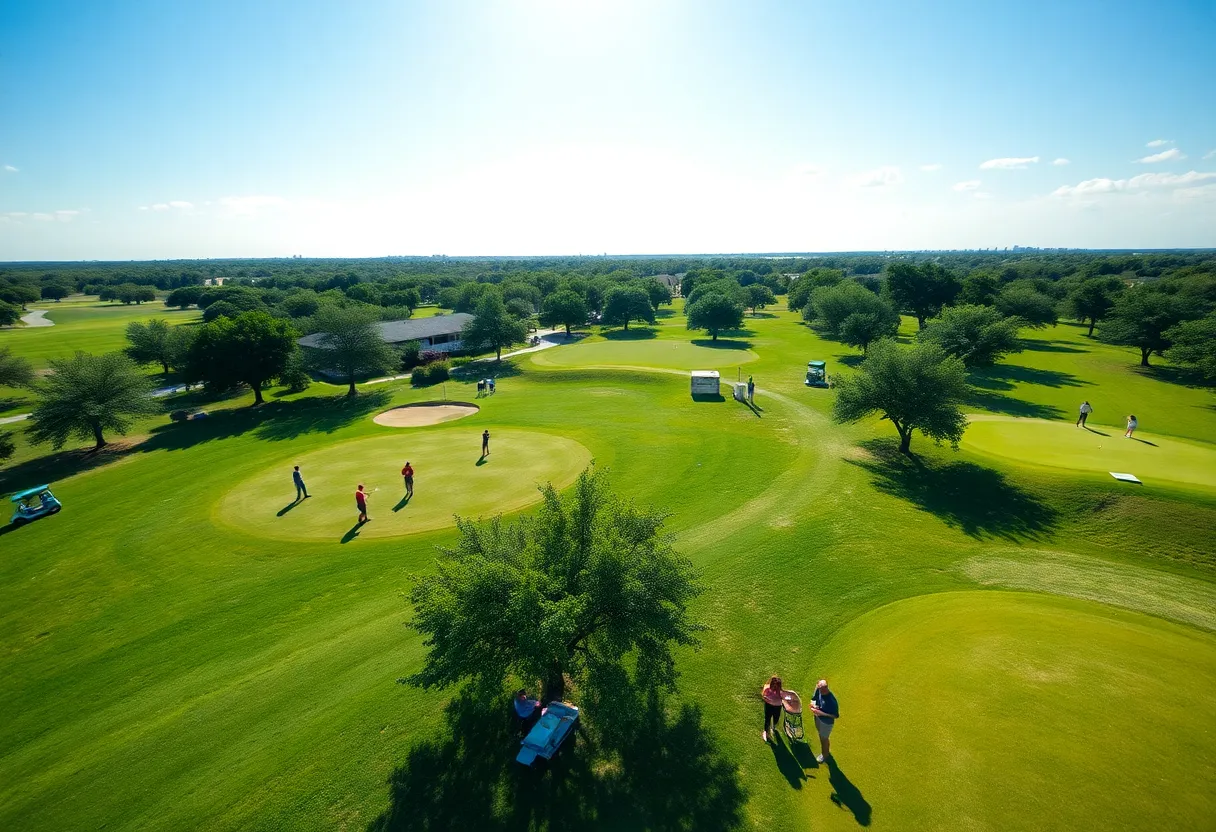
x,y
772,695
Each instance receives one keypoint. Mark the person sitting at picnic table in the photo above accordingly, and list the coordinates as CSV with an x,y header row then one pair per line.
x,y
527,710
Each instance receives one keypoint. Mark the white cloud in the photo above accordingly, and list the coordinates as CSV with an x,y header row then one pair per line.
x,y
249,205
1211,154
16,214
969,185
10,169
1171,155
1009,163
160,206
179,203
931,168
1143,182
66,216
1061,162
41,217
880,177
1159,142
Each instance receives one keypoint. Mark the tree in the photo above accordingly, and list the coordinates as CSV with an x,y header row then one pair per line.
x,y
623,304
9,314
150,343
19,294
590,579
978,335
921,290
725,286
715,313
1140,318
7,446
759,296
131,293
917,389
55,292
851,313
799,294
1194,345
1091,299
521,309
15,371
303,304
1034,308
980,288
563,308
493,327
349,343
656,291
251,349
184,296
220,309
86,395
177,345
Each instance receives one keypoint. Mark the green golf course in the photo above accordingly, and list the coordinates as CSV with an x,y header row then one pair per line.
x,y
1017,640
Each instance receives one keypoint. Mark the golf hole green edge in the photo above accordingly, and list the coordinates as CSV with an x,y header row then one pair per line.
x,y
451,479
997,706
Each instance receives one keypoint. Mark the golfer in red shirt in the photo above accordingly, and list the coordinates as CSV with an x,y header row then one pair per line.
x,y
408,473
361,502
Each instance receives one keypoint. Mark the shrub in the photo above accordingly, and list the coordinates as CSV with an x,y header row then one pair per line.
x,y
462,361
428,356
411,352
432,373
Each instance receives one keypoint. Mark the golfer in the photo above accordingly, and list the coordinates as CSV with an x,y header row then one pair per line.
x,y
527,710
1132,424
299,481
751,391
772,694
1086,409
408,473
826,711
485,443
361,502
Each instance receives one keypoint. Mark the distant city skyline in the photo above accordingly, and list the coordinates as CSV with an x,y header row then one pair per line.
x,y
143,130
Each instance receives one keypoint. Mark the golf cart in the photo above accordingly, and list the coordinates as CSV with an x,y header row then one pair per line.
x,y
548,734
816,374
34,503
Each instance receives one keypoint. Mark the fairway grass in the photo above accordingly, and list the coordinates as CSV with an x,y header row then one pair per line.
x,y
1056,444
185,646
995,710
452,479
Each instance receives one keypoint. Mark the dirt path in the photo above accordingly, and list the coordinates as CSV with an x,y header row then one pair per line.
x,y
37,318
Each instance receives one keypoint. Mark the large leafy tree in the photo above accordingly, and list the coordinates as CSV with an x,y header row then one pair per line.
x,y
623,304
55,292
799,294
921,290
1091,299
350,343
9,313
851,313
1034,308
19,294
15,371
493,326
656,291
590,579
759,296
1194,345
715,313
1140,318
87,395
979,335
150,342
564,308
916,389
251,348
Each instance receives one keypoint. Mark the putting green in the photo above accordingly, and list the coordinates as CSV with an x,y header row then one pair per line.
x,y
665,354
1078,715
1101,449
449,480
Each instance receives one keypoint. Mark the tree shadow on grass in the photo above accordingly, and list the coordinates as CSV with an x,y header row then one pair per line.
x,y
722,344
1174,375
635,334
978,501
274,421
851,360
1000,403
1009,374
1034,345
649,768
488,368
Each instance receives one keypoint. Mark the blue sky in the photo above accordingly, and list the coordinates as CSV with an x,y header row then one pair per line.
x,y
224,129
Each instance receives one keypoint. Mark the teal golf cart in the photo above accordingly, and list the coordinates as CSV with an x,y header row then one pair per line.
x,y
816,374
34,503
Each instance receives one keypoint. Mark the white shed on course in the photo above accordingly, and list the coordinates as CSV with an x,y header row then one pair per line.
x,y
705,383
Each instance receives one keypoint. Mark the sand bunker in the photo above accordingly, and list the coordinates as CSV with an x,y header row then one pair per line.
x,y
424,413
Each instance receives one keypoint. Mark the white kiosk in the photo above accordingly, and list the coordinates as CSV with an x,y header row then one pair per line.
x,y
705,383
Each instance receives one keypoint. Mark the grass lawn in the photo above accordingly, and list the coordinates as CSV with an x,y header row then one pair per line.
x,y
182,653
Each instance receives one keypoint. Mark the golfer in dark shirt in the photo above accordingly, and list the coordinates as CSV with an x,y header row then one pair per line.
x,y
827,711
299,481
485,443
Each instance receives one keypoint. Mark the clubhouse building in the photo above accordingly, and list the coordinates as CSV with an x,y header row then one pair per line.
x,y
440,333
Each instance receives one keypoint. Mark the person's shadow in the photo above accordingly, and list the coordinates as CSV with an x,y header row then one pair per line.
x,y
787,762
482,460
848,796
1144,441
1091,430
352,533
287,508
405,501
